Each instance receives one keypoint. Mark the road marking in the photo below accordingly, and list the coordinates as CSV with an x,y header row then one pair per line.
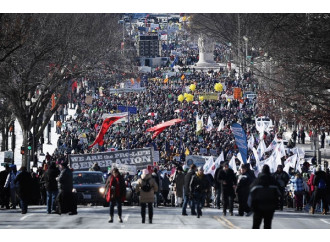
x,y
22,218
324,221
126,217
226,222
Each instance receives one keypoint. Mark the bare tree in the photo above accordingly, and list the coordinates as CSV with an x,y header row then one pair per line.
x,y
42,53
292,58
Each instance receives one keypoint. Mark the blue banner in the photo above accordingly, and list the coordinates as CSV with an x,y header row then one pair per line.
x,y
240,139
131,110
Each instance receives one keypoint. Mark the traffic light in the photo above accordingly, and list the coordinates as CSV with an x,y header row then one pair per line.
x,y
22,150
30,141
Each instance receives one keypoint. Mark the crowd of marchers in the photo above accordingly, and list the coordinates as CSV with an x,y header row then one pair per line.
x,y
259,192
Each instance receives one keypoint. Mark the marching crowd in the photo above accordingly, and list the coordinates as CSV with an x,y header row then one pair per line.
x,y
261,194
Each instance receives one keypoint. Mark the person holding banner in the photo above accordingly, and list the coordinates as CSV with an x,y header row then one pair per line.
x,y
147,186
115,190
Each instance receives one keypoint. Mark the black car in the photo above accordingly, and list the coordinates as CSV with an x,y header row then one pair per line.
x,y
89,187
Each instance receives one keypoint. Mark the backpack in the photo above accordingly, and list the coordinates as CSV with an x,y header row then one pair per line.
x,y
321,184
146,187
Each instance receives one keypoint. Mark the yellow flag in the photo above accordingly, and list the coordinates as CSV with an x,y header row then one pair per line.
x,y
166,80
187,151
182,77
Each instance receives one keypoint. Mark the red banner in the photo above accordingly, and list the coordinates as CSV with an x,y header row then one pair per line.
x,y
105,126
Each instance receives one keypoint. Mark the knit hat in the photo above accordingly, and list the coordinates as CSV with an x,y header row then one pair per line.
x,y
145,172
200,168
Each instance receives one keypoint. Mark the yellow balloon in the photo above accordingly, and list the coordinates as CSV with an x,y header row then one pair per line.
x,y
218,87
201,98
192,87
185,95
180,98
190,98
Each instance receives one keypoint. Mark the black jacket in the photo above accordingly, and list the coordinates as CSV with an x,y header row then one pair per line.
x,y
264,193
24,181
318,176
65,180
187,180
282,179
50,179
199,184
228,180
243,185
217,184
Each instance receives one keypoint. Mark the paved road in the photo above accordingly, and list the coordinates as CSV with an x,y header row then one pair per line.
x,y
164,218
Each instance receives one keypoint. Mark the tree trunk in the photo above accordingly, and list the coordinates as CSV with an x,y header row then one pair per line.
x,y
6,137
3,145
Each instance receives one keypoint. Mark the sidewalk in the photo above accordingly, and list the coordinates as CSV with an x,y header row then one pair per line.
x,y
309,151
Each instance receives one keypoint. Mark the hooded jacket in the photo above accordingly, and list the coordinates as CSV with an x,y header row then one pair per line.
x,y
146,197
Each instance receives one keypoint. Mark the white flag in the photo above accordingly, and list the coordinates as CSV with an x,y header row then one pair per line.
x,y
219,159
256,157
209,125
232,164
208,166
261,149
199,124
272,165
281,149
221,125
299,151
251,142
239,156
291,161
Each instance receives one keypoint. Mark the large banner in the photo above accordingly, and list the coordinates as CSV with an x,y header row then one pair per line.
x,y
140,158
198,160
210,96
240,139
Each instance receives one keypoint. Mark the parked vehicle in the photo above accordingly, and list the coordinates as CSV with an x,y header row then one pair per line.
x,y
89,187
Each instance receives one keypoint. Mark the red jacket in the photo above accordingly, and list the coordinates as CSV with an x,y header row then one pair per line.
x,y
310,183
120,188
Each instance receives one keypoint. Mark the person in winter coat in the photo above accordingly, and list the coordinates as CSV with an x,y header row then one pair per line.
x,y
228,180
217,186
115,191
66,200
187,192
178,186
147,186
24,182
51,187
311,189
4,192
165,188
198,187
282,178
156,177
263,198
298,187
9,184
243,190
320,184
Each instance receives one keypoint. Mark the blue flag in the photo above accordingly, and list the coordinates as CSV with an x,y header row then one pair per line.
x,y
174,62
240,139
